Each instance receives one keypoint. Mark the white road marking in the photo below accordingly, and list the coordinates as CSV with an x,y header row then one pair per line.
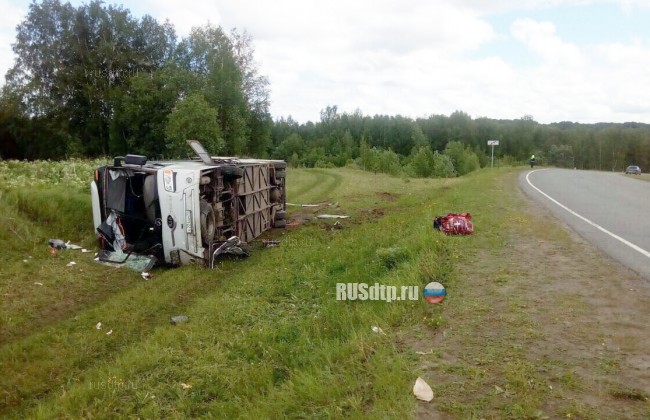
x,y
597,226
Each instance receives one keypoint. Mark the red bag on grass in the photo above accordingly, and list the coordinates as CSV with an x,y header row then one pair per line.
x,y
454,224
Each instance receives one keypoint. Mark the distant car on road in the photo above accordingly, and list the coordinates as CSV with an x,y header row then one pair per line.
x,y
633,169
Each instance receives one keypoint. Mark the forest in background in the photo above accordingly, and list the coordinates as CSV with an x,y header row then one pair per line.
x,y
94,80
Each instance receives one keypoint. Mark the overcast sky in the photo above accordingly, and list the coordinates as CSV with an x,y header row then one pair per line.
x,y
574,60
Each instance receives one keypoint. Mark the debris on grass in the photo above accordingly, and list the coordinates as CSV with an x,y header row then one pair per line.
x,y
422,390
52,251
68,245
424,353
185,386
38,283
56,243
304,205
377,330
179,319
337,226
332,216
98,326
268,243
145,275
110,332
454,224
71,264
136,262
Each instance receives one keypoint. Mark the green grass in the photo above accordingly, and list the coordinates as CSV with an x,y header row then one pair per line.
x,y
266,336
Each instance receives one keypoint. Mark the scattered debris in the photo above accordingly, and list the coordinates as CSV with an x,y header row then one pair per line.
x,y
422,390
136,262
268,243
304,205
337,226
84,250
52,251
186,386
293,224
38,283
25,261
424,353
332,216
145,275
110,332
68,245
498,389
71,264
98,326
179,319
378,330
454,224
57,243
232,246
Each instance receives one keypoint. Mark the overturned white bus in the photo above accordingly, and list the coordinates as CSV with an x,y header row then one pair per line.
x,y
185,211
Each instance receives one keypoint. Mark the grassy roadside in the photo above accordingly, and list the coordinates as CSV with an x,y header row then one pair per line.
x,y
276,343
541,325
266,337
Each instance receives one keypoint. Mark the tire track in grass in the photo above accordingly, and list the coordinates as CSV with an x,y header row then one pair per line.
x,y
233,348
303,189
33,368
324,185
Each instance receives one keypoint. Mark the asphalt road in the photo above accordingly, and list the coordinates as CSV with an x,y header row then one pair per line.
x,y
610,210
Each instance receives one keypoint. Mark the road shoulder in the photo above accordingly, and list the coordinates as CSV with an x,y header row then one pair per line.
x,y
545,325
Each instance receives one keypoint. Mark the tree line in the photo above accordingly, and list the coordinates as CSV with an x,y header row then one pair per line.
x,y
339,139
94,80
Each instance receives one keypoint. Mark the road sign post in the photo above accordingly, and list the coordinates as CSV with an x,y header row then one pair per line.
x,y
493,143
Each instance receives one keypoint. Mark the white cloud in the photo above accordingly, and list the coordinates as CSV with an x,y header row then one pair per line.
x,y
623,70
184,15
417,58
10,17
382,57
540,38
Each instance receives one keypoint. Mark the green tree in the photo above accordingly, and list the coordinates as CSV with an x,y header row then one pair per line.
x,y
209,53
72,65
561,156
463,158
292,145
470,162
422,162
443,167
193,119
141,114
389,162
